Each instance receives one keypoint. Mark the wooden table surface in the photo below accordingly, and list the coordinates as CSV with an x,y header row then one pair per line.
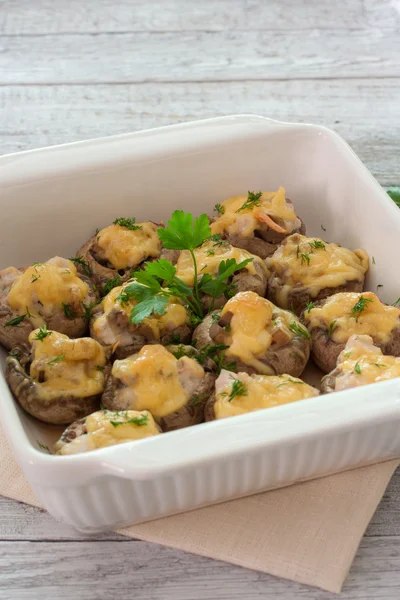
x,y
76,69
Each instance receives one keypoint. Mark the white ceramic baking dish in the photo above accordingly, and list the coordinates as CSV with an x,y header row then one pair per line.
x,y
52,199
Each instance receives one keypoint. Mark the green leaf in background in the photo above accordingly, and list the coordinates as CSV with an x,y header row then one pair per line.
x,y
394,193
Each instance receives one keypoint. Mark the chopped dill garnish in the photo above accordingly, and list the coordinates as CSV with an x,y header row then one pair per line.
x,y
42,333
238,389
331,327
305,258
142,420
57,359
15,322
298,330
317,244
310,306
359,307
253,199
78,260
127,223
69,313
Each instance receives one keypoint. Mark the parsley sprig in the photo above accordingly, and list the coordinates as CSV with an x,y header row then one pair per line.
x,y
155,284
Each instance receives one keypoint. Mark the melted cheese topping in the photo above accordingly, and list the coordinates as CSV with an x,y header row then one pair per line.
x,y
125,248
102,433
157,381
246,221
261,392
376,319
62,365
110,329
255,324
297,264
43,288
361,363
208,258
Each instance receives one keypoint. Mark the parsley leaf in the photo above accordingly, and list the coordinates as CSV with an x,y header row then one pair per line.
x,y
162,268
184,232
219,209
357,368
148,306
218,286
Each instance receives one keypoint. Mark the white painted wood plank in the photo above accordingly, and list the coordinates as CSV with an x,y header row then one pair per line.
x,y
88,570
21,522
19,17
364,112
199,56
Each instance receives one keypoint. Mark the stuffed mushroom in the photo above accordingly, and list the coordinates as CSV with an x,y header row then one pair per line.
x,y
360,363
106,428
333,321
111,323
253,274
240,393
305,270
56,379
117,250
258,222
174,390
52,293
255,336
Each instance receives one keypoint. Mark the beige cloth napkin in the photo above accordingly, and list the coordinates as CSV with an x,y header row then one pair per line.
x,y
307,532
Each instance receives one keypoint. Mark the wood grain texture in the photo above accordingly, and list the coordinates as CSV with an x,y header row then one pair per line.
x,y
46,115
24,17
199,56
148,572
